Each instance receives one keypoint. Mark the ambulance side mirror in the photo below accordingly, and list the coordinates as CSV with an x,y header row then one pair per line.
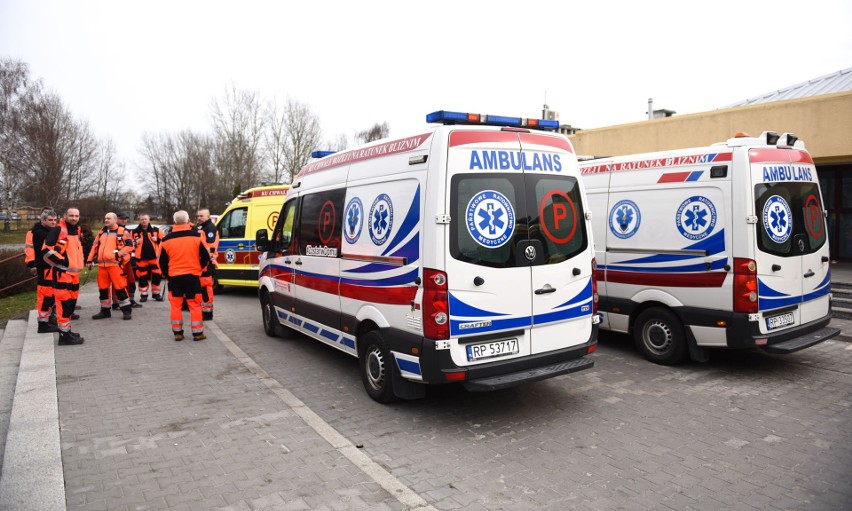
x,y
261,241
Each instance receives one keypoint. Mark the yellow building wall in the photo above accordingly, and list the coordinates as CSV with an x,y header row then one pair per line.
x,y
824,123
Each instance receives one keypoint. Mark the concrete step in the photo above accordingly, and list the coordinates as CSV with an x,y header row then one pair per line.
x,y
841,286
841,311
10,359
32,477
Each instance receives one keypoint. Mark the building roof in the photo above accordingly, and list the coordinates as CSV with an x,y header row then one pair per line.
x,y
835,82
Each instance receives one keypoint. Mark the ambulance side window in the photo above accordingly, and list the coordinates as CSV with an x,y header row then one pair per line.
x,y
283,234
321,223
233,224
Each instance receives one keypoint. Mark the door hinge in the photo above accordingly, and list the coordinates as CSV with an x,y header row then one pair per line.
x,y
442,219
751,219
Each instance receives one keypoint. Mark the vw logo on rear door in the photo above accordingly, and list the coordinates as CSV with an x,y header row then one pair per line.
x,y
529,252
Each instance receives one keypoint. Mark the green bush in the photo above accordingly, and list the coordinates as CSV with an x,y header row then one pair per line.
x,y
13,271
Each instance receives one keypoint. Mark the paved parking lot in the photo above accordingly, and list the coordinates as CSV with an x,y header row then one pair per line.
x,y
148,423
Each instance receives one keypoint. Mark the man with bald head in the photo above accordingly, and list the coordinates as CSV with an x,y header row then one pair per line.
x,y
111,250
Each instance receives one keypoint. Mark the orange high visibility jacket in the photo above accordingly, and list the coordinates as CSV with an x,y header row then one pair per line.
x,y
63,248
147,242
33,245
111,247
183,252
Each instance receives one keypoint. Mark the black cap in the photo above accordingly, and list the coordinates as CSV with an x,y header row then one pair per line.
x,y
122,215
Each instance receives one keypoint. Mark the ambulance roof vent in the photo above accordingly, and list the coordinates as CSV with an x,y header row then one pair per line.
x,y
446,117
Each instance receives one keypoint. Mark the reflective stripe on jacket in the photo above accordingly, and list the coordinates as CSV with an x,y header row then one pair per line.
x,y
147,242
63,249
111,247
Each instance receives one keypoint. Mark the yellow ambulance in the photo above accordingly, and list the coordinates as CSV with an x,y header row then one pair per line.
x,y
256,208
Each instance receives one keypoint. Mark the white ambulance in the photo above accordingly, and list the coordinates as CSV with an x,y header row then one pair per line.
x,y
461,254
712,247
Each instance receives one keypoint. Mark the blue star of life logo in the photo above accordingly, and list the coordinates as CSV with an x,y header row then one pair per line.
x,y
381,219
696,218
490,219
624,219
777,219
354,219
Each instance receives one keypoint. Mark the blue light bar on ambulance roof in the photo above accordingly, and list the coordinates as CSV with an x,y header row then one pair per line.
x,y
322,154
445,117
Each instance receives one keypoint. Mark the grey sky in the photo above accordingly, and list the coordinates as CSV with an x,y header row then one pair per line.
x,y
130,67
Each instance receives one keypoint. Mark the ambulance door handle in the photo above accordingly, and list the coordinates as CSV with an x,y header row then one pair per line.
x,y
298,261
288,261
577,271
776,267
809,274
825,259
545,290
478,281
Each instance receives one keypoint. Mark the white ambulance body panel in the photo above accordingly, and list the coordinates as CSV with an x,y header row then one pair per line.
x,y
461,254
721,246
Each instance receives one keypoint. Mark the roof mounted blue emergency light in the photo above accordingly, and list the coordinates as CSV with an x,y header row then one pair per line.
x,y
322,154
445,117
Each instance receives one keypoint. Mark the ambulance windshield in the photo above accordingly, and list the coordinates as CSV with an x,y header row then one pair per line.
x,y
790,218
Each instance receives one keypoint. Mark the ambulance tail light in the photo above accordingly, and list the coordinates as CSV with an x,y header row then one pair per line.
x,y
594,286
446,117
436,305
745,285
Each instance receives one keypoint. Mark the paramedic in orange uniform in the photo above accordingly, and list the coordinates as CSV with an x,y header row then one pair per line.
x,y
39,267
111,250
210,235
183,256
63,251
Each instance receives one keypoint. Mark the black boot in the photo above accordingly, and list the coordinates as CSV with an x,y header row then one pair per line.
x,y
44,327
157,298
104,313
127,311
143,298
115,306
66,338
178,335
135,305
75,335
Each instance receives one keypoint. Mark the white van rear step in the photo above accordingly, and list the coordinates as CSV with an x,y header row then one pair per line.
x,y
529,375
800,343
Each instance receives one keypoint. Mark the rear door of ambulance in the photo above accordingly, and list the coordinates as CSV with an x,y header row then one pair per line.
x,y
791,243
510,276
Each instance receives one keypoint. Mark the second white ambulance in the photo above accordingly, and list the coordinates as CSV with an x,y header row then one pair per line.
x,y
712,247
461,254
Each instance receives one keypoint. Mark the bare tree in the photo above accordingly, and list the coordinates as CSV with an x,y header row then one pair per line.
x,y
238,125
338,144
179,171
376,132
294,133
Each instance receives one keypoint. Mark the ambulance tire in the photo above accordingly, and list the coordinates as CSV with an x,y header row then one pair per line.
x,y
271,325
659,336
376,366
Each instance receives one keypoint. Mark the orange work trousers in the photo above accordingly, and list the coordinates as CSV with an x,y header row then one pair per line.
x,y
112,274
66,290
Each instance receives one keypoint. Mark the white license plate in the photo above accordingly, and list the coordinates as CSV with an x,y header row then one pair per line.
x,y
492,349
779,321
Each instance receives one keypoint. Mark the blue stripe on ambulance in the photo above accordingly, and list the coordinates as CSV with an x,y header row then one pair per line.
x,y
697,267
768,298
578,306
327,335
712,245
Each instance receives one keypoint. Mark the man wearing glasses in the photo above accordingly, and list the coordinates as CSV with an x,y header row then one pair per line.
x,y
40,269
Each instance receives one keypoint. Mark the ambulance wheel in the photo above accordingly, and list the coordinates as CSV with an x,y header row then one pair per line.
x,y
659,336
271,325
376,367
